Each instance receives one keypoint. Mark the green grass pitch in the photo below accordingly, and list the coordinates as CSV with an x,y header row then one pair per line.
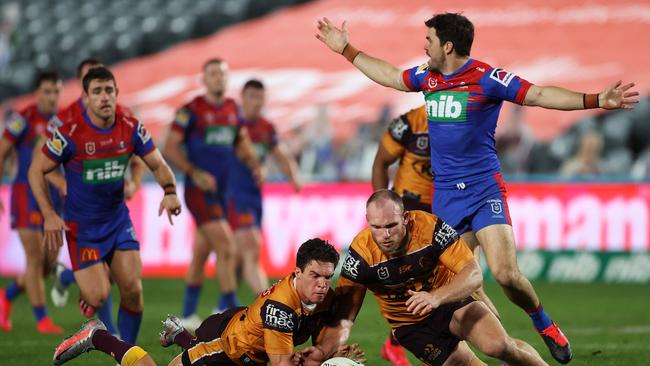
x,y
608,324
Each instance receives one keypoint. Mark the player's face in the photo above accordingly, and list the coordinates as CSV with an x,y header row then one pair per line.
x,y
253,101
215,77
47,96
434,50
388,225
314,281
101,98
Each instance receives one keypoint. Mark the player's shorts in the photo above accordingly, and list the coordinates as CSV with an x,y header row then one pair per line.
x,y
473,205
25,213
92,243
430,340
206,348
205,206
245,211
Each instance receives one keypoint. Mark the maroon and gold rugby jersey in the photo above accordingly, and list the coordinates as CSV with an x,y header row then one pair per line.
x,y
434,254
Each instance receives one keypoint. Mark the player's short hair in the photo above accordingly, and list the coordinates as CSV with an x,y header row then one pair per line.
x,y
90,61
97,73
454,28
316,249
46,75
253,83
211,61
386,194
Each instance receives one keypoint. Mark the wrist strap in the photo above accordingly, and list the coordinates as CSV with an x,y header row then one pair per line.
x,y
590,101
350,52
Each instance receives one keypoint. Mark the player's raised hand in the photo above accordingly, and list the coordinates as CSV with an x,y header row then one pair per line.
x,y
171,205
53,227
421,302
335,38
204,180
618,96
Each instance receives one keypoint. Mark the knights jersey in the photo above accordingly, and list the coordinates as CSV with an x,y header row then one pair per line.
x,y
407,137
24,129
209,135
274,323
462,112
95,161
75,110
264,139
434,254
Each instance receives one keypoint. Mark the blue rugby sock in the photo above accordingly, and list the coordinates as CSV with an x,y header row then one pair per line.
x,y
105,314
128,322
12,291
67,277
191,301
228,300
540,319
39,312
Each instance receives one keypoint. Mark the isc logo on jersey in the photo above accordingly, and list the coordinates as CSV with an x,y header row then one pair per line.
x,y
220,135
445,106
104,170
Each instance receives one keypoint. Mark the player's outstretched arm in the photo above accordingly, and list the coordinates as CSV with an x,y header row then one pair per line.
x,y
383,159
287,164
165,177
377,70
616,96
53,225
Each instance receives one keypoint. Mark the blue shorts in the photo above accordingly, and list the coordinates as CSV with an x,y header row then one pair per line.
x,y
245,211
205,206
91,243
25,213
473,205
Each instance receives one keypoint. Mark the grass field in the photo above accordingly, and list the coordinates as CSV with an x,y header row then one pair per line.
x,y
608,324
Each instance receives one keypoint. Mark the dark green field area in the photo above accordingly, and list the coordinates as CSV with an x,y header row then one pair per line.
x,y
608,324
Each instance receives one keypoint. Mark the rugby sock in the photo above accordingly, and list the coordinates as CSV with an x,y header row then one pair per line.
x,y
39,312
105,314
109,344
128,322
191,300
228,300
12,291
67,277
540,319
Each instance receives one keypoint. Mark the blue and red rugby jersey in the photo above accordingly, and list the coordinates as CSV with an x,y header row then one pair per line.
x,y
24,129
264,139
95,161
462,113
209,135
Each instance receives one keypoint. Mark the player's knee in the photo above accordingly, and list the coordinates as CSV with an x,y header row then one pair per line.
x,y
131,291
95,297
497,348
507,277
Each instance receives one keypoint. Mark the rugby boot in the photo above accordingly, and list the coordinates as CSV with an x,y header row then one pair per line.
x,y
394,354
5,312
47,326
557,343
171,328
59,293
78,343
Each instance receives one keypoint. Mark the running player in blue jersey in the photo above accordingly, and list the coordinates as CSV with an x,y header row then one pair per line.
x,y
203,143
245,194
463,97
22,132
94,150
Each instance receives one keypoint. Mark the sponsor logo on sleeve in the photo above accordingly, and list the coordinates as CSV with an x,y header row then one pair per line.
x,y
16,124
57,143
397,128
182,117
143,133
350,267
444,235
278,316
422,69
502,76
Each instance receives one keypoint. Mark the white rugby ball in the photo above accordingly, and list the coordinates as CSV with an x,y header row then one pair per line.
x,y
340,361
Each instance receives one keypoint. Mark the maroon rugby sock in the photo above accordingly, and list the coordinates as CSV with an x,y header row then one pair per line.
x,y
109,344
184,339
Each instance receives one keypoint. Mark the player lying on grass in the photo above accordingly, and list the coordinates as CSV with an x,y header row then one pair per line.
x,y
287,314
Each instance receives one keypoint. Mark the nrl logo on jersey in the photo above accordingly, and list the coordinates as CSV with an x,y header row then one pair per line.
x,y
446,106
278,316
57,143
108,170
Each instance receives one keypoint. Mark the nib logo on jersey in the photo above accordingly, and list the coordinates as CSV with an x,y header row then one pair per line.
x,y
104,170
445,106
278,316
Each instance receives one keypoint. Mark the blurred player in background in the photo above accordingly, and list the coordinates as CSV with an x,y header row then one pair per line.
x,y
22,132
208,129
463,97
95,150
266,332
245,193
64,276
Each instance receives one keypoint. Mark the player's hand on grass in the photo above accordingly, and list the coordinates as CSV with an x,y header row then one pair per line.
x,y
618,96
421,302
204,180
171,205
53,227
335,38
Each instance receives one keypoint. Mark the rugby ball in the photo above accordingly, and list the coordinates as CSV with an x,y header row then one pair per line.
x,y
340,361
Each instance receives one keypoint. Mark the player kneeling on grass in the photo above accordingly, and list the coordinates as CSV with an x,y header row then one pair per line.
x,y
423,276
287,314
